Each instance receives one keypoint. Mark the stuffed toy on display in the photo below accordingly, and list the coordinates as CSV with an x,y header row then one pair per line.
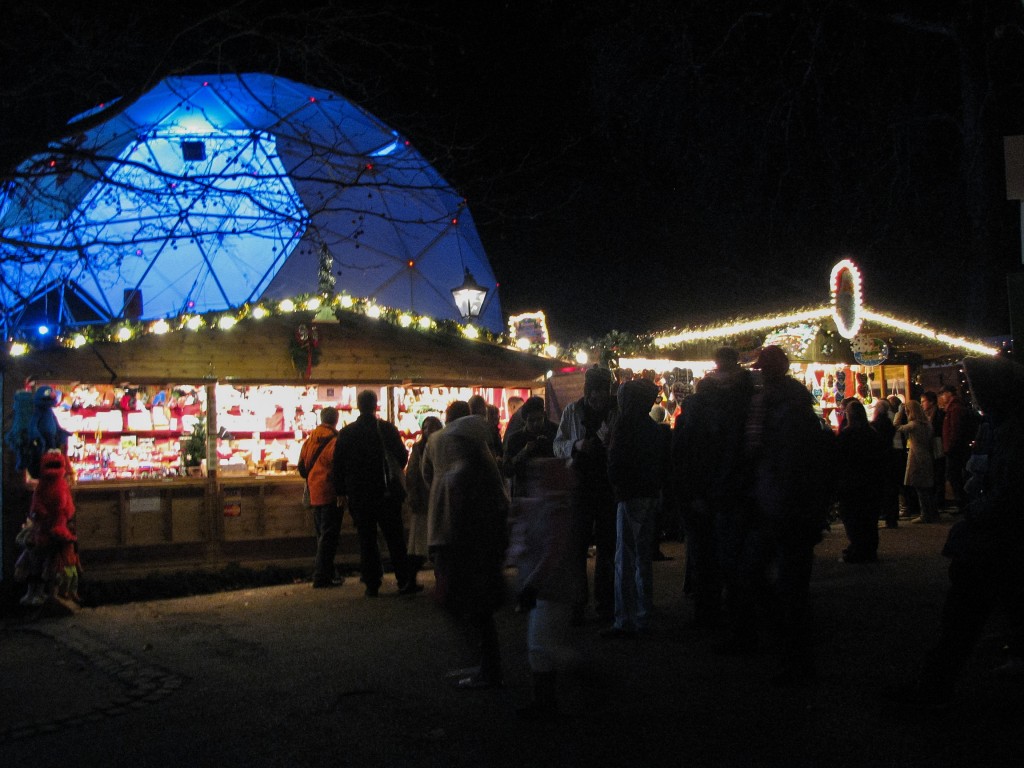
x,y
17,437
35,429
50,557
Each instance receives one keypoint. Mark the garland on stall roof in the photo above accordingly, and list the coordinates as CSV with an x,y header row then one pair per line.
x,y
126,330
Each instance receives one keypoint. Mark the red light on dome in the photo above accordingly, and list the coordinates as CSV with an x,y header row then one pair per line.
x,y
369,166
205,83
407,142
455,221
411,263
312,99
53,163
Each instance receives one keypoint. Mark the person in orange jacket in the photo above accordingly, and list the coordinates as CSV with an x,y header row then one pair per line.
x,y
316,463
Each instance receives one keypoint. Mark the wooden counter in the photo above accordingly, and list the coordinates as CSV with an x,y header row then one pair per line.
x,y
124,513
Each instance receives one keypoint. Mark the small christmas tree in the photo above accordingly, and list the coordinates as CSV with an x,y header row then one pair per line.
x,y
325,271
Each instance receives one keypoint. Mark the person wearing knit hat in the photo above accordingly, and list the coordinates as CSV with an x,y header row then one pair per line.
x,y
582,440
638,458
596,378
533,441
784,437
772,362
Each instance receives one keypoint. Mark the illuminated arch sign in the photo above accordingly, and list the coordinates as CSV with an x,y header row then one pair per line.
x,y
847,298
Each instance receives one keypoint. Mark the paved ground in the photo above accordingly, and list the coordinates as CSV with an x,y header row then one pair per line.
x,y
290,676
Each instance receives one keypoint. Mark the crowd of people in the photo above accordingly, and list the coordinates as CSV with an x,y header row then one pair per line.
x,y
735,476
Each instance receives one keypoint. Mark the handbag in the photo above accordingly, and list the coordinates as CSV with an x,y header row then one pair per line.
x,y
394,472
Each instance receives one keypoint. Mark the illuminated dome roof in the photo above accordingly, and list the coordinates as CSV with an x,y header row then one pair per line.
x,y
212,191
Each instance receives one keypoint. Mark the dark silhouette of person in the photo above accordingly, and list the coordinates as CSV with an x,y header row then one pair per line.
x,y
784,437
582,439
712,477
361,480
859,485
469,565
894,465
534,441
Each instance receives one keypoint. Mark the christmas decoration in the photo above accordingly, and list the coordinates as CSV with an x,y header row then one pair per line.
x,y
305,349
325,271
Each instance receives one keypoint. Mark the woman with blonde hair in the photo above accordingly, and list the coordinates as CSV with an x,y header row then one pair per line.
x,y
920,473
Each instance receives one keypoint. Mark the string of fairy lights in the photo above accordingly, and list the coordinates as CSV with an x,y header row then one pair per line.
x,y
740,327
324,307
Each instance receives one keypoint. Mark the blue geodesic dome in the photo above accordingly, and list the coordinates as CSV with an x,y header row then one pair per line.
x,y
212,191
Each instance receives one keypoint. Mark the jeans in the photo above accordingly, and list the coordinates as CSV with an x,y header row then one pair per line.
x,y
634,585
327,519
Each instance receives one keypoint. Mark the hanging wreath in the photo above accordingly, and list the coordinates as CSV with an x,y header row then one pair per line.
x,y
305,349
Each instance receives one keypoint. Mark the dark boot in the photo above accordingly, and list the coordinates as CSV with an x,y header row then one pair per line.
x,y
545,698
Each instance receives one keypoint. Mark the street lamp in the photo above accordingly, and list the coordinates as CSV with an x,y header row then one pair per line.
x,y
469,297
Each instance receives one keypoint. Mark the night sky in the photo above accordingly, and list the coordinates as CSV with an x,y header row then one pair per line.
x,y
634,165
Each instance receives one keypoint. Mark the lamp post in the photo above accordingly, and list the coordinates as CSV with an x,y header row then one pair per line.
x,y
469,297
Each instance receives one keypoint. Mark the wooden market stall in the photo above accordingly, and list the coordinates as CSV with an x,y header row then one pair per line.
x,y
134,406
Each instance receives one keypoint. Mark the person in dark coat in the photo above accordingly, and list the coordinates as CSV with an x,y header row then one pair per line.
x,y
957,434
711,477
894,464
986,547
862,458
785,440
637,464
534,441
361,481
582,440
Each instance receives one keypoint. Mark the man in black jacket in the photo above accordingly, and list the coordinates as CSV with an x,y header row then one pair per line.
x,y
372,492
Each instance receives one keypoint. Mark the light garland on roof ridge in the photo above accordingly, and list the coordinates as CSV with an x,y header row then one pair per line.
x,y
766,323
927,333
746,326
124,330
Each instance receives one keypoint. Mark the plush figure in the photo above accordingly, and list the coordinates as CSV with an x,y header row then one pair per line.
x,y
17,437
44,431
35,429
50,557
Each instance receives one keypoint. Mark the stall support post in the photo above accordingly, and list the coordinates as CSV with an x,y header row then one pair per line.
x,y
214,498
211,430
392,412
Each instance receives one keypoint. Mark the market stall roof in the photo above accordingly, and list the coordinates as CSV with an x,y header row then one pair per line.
x,y
844,330
297,348
209,192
